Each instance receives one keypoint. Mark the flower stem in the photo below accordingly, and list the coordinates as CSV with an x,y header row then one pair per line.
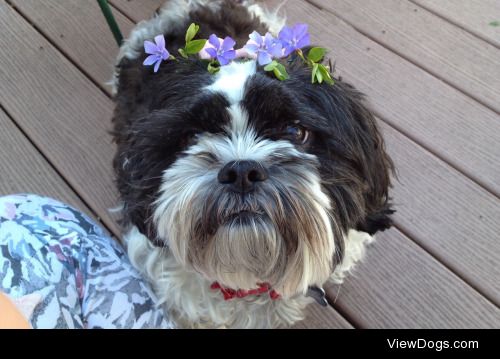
x,y
301,55
306,61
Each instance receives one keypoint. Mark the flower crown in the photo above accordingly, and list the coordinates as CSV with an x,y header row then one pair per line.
x,y
265,49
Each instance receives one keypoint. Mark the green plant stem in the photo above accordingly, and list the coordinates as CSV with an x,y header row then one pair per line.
x,y
306,61
110,19
301,55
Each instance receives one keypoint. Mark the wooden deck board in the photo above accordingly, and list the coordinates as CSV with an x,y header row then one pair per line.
x,y
24,170
473,15
62,112
453,54
138,10
399,286
447,214
80,31
318,317
452,125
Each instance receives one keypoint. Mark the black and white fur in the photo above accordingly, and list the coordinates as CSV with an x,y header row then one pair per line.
x,y
314,203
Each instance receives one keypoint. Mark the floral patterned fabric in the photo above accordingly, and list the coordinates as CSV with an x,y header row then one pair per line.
x,y
82,276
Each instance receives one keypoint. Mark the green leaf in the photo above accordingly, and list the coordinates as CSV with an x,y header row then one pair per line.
x,y
183,53
316,54
325,74
495,23
191,32
195,46
278,69
319,76
314,72
213,67
280,72
271,66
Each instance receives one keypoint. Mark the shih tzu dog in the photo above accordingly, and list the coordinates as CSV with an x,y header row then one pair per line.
x,y
243,193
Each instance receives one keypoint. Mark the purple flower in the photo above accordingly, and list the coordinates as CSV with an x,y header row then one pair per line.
x,y
294,38
264,47
157,52
222,51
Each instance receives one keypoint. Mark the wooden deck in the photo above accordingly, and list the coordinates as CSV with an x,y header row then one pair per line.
x,y
431,69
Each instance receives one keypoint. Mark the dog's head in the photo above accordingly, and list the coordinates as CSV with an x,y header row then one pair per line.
x,y
245,178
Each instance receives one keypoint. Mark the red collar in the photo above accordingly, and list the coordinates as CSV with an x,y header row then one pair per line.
x,y
229,293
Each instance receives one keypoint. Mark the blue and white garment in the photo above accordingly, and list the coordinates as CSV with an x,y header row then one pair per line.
x,y
82,276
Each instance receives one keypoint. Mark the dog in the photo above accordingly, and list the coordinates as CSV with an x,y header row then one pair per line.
x,y
242,194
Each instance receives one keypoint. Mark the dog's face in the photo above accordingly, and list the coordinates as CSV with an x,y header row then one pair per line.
x,y
247,179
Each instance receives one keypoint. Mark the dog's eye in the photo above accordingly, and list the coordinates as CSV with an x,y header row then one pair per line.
x,y
297,134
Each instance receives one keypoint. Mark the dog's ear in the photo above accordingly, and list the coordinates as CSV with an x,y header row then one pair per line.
x,y
351,149
135,180
131,94
377,165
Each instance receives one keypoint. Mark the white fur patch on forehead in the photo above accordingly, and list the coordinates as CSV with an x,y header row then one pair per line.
x,y
239,119
231,79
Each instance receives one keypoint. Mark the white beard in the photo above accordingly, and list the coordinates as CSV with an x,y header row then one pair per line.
x,y
188,300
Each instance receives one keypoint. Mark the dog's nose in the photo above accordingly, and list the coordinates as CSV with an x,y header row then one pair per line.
x,y
242,175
